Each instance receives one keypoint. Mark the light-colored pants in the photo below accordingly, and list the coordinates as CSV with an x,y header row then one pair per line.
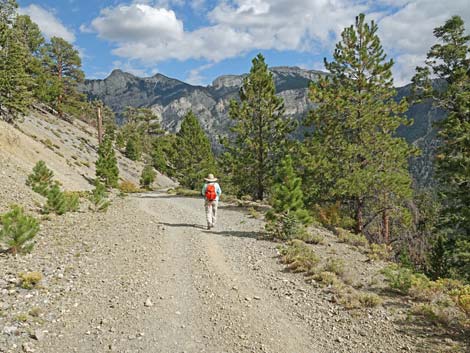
x,y
211,212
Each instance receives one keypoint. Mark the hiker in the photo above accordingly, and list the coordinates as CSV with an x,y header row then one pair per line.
x,y
211,192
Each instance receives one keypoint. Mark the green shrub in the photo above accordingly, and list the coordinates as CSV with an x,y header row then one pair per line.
x,y
369,300
378,252
326,278
147,177
18,230
335,266
298,256
72,200
185,192
254,213
285,226
310,237
99,197
399,278
347,237
40,180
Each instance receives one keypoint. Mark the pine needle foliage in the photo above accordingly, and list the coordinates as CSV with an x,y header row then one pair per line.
x,y
62,63
194,158
354,155
287,195
15,96
56,201
147,177
260,132
134,148
40,180
449,61
99,197
18,230
107,170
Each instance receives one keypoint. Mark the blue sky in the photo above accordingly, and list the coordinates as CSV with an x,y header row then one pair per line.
x,y
198,40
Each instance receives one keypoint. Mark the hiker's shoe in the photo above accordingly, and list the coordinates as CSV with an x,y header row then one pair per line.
x,y
209,226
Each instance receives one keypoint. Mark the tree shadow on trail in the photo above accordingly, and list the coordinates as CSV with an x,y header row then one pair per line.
x,y
234,233
226,233
182,225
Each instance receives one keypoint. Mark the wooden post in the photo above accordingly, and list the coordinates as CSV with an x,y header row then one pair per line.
x,y
100,126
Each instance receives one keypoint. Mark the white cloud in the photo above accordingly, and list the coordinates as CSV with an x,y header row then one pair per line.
x,y
139,23
195,76
49,24
150,32
407,34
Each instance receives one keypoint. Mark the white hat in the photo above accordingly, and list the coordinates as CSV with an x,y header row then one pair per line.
x,y
210,178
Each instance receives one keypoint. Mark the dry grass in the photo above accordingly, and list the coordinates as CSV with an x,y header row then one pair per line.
x,y
298,256
30,280
128,187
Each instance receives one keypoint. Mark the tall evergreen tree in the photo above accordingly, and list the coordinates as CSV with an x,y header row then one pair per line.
x,y
260,131
14,57
107,170
63,64
354,152
449,61
30,36
194,158
143,126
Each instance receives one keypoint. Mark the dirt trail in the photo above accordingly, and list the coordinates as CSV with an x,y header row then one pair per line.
x,y
229,311
157,281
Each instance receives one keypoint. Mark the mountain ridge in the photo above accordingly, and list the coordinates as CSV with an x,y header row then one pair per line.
x,y
170,99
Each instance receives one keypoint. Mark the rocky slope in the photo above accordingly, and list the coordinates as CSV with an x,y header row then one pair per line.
x,y
171,99
69,150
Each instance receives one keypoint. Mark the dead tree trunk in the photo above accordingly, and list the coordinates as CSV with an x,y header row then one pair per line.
x,y
100,126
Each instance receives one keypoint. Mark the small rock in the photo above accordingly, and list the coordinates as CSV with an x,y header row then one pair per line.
x,y
449,341
27,348
148,303
10,330
256,297
38,335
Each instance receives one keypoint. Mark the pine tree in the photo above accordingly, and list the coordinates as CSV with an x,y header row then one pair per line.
x,y
134,148
143,126
99,197
194,158
30,36
147,177
19,230
260,132
354,155
107,170
287,195
14,58
63,66
164,154
56,201
41,178
449,62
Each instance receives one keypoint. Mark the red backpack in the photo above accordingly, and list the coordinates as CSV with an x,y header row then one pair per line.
x,y
211,195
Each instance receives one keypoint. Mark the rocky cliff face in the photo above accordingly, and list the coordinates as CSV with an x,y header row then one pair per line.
x,y
170,99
